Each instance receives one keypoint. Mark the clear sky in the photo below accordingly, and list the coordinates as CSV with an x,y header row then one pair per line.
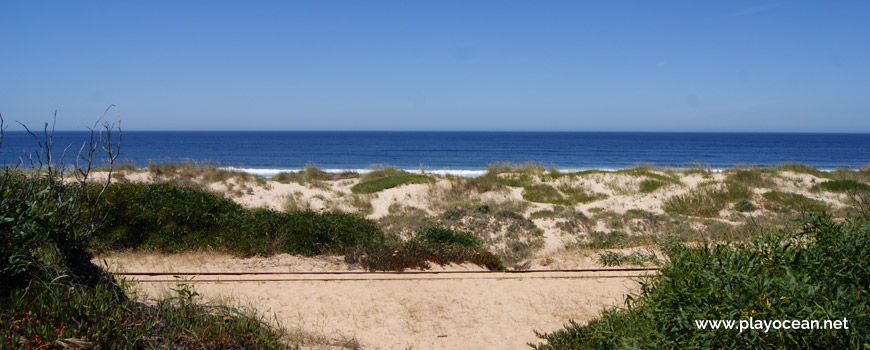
x,y
439,65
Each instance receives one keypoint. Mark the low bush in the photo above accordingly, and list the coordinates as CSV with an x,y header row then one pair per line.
x,y
613,239
564,195
708,199
801,168
786,201
843,186
611,258
61,314
643,171
751,178
494,180
502,174
381,183
431,244
53,297
309,175
576,194
637,171
379,173
650,185
542,193
168,218
744,206
442,236
774,277
195,173
559,212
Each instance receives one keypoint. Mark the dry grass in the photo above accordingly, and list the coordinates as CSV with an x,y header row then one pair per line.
x,y
296,202
359,203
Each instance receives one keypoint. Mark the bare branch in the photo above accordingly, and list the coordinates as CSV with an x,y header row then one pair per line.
x,y
38,143
2,129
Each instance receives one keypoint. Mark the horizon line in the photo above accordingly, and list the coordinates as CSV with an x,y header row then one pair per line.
x,y
500,131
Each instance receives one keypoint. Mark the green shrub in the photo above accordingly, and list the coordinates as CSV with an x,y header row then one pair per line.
x,y
516,251
53,297
774,277
494,181
542,194
61,315
843,186
431,244
574,195
509,174
440,235
611,258
168,218
549,214
381,183
613,239
786,201
559,212
453,214
744,206
650,185
645,172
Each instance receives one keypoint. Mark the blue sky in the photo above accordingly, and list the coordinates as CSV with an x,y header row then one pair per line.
x,y
439,65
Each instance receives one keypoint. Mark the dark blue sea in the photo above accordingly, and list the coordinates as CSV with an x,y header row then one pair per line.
x,y
465,152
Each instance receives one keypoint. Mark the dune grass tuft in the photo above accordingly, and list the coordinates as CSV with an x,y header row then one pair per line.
x,y
564,195
751,178
708,199
779,201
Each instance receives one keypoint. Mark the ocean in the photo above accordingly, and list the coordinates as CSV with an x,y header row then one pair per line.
x,y
463,153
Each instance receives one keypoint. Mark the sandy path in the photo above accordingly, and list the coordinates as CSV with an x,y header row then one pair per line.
x,y
430,313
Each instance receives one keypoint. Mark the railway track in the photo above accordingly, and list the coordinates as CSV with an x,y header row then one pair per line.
x,y
336,276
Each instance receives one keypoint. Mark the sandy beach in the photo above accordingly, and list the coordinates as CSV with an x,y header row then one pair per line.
x,y
426,312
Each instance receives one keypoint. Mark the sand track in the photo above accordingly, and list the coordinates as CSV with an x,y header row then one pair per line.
x,y
395,311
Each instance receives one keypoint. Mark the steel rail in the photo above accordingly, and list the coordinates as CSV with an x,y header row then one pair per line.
x,y
380,279
244,273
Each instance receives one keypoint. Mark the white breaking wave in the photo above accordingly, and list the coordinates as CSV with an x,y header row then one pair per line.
x,y
442,172
273,172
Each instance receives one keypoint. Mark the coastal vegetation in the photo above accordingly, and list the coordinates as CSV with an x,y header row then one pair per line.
x,y
773,276
53,296
709,231
171,219
843,186
512,205
388,178
778,201
708,199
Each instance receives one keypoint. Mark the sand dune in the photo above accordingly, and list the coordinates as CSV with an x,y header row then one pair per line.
x,y
431,312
